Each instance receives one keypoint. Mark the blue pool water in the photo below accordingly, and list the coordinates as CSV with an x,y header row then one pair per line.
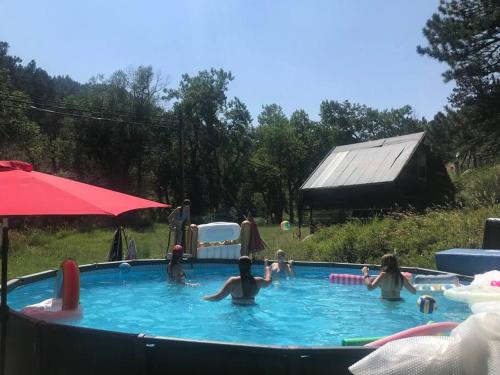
x,y
305,311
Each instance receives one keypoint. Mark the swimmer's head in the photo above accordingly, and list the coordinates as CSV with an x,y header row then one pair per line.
x,y
280,255
245,264
177,251
390,263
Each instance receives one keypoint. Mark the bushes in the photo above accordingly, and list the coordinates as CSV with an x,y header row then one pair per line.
x,y
478,187
414,238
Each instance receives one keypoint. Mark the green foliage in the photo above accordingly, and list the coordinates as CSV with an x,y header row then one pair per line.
x,y
350,123
414,238
130,133
466,35
478,187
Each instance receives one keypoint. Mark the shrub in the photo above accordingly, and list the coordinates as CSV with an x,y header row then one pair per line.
x,y
478,187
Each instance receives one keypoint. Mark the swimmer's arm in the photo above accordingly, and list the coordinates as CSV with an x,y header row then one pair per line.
x,y
291,271
370,285
267,279
224,292
409,287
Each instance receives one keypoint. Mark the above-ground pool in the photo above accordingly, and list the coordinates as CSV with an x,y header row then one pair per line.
x,y
306,311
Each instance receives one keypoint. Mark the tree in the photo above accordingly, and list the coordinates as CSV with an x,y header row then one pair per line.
x,y
346,123
20,138
234,157
200,101
466,35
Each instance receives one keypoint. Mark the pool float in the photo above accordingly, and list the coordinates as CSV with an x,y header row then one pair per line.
x,y
360,341
473,293
490,278
348,279
431,329
490,306
64,307
435,283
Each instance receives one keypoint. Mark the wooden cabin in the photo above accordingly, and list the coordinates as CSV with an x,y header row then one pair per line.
x,y
369,178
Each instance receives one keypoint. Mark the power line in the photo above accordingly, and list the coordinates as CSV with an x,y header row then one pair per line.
x,y
26,106
72,107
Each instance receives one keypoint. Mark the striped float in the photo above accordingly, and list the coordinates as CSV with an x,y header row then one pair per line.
x,y
348,279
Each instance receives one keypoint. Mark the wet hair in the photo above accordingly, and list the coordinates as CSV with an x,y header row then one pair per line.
x,y
390,266
280,253
248,283
177,251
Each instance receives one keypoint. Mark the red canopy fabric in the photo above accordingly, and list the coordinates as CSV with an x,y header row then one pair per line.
x,y
24,192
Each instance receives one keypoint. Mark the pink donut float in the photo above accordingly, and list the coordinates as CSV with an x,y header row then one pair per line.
x,y
348,279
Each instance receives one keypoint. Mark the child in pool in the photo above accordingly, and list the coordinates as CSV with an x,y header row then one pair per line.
x,y
390,280
245,287
174,268
282,267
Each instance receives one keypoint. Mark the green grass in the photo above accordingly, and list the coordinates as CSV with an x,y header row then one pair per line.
x,y
414,238
35,250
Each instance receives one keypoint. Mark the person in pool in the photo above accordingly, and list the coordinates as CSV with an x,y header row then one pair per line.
x,y
390,280
245,287
281,266
174,268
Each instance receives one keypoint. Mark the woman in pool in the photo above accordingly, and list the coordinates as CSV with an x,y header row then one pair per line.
x,y
390,280
174,268
282,267
245,287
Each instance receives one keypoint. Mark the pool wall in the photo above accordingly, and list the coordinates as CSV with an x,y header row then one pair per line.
x,y
38,348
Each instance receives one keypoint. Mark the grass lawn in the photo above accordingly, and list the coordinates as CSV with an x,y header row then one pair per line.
x,y
413,237
35,250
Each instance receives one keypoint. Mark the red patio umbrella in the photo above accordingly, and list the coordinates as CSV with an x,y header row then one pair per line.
x,y
24,192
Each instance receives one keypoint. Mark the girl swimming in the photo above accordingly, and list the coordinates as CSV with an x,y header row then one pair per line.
x,y
390,280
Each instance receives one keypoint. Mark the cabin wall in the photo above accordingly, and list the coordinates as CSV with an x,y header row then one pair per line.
x,y
422,183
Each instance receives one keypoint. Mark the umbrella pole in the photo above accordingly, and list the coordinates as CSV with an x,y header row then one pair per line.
x,y
4,309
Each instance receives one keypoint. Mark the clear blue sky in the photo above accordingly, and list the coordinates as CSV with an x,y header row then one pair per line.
x,y
293,53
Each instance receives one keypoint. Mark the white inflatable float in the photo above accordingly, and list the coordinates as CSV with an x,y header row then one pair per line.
x,y
65,306
480,290
435,283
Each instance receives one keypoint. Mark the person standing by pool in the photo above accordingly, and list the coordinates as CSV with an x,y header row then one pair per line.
x,y
282,266
178,219
390,279
174,268
245,287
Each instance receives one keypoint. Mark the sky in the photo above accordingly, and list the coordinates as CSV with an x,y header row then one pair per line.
x,y
289,52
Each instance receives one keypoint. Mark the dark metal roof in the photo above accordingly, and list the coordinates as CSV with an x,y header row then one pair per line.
x,y
370,162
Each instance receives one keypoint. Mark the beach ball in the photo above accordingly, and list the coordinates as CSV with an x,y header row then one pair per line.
x,y
285,225
125,267
426,304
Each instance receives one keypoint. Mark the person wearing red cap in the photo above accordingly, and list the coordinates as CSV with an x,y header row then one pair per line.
x,y
174,268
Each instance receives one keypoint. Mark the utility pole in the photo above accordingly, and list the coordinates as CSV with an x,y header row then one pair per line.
x,y
181,153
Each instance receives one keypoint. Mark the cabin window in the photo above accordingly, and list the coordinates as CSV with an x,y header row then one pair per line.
x,y
422,167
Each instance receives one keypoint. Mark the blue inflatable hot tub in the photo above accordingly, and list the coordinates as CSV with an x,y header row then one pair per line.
x,y
468,261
